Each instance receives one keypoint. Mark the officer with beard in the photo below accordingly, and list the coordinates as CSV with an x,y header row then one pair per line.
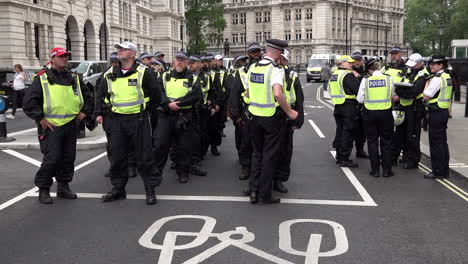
x,y
359,136
179,96
411,100
292,89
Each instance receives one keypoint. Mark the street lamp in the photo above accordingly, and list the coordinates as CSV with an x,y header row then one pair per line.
x,y
441,28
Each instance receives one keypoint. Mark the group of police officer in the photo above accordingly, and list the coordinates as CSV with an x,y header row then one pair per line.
x,y
387,105
151,112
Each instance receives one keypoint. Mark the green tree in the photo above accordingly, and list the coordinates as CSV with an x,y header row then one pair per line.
x,y
204,22
423,17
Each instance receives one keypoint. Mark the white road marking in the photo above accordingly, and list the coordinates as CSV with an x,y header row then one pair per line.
x,y
317,129
22,132
357,185
315,106
224,199
33,191
321,101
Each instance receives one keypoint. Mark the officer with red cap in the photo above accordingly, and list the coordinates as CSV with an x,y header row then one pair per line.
x,y
57,100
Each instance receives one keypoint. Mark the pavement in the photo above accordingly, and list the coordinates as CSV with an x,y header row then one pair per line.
x,y
330,214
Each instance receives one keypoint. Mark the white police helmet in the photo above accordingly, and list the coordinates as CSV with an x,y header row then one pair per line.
x,y
398,117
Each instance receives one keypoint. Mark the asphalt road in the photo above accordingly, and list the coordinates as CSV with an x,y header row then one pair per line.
x,y
330,215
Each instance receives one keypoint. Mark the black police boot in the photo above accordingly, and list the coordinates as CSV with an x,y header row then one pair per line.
x,y
214,150
348,163
246,191
431,175
245,174
132,172
279,187
374,173
387,174
173,165
63,191
253,197
44,196
114,195
183,177
410,165
107,174
197,170
360,153
150,196
271,200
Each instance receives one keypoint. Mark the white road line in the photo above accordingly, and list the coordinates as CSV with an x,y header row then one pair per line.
x,y
33,191
22,132
321,101
316,128
90,161
23,157
357,185
223,199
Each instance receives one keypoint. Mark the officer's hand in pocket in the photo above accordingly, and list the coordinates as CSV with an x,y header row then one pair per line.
x,y
174,107
45,124
293,114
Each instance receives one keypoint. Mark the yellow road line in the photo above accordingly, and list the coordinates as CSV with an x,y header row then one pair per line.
x,y
450,188
456,187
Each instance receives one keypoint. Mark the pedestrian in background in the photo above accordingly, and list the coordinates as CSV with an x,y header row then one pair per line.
x,y
326,74
18,89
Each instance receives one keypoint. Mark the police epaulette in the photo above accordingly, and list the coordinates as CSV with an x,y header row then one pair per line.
x,y
40,72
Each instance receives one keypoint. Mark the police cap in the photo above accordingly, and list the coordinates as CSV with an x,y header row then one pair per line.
x,y
277,44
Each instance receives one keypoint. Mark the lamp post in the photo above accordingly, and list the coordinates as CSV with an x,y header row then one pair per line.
x,y
441,28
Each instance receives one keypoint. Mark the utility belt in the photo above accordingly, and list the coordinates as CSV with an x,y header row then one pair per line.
x,y
433,107
143,114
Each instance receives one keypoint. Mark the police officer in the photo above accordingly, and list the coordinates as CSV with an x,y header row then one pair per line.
x,y
437,95
239,115
179,95
414,109
344,87
146,59
159,57
292,90
200,117
268,107
107,119
216,105
376,92
57,100
131,90
396,68
359,136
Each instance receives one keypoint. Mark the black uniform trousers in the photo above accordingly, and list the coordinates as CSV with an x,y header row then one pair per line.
x,y
284,163
203,115
132,131
243,144
107,126
346,118
216,126
440,156
59,149
359,135
378,126
265,133
174,129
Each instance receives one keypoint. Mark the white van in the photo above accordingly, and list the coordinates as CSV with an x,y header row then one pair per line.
x,y
316,62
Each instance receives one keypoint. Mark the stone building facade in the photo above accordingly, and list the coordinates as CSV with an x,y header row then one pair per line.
x,y
89,28
314,26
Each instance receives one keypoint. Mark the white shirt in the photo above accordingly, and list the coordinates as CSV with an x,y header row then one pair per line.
x,y
362,90
18,82
277,76
433,87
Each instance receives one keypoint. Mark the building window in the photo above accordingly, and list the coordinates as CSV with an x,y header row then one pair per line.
x,y
242,37
287,15
144,25
258,17
242,18
287,34
309,13
298,35
266,35
235,38
308,33
235,19
138,22
298,14
266,16
258,36
150,26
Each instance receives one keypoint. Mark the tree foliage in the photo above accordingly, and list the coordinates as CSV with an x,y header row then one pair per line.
x,y
423,18
205,22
